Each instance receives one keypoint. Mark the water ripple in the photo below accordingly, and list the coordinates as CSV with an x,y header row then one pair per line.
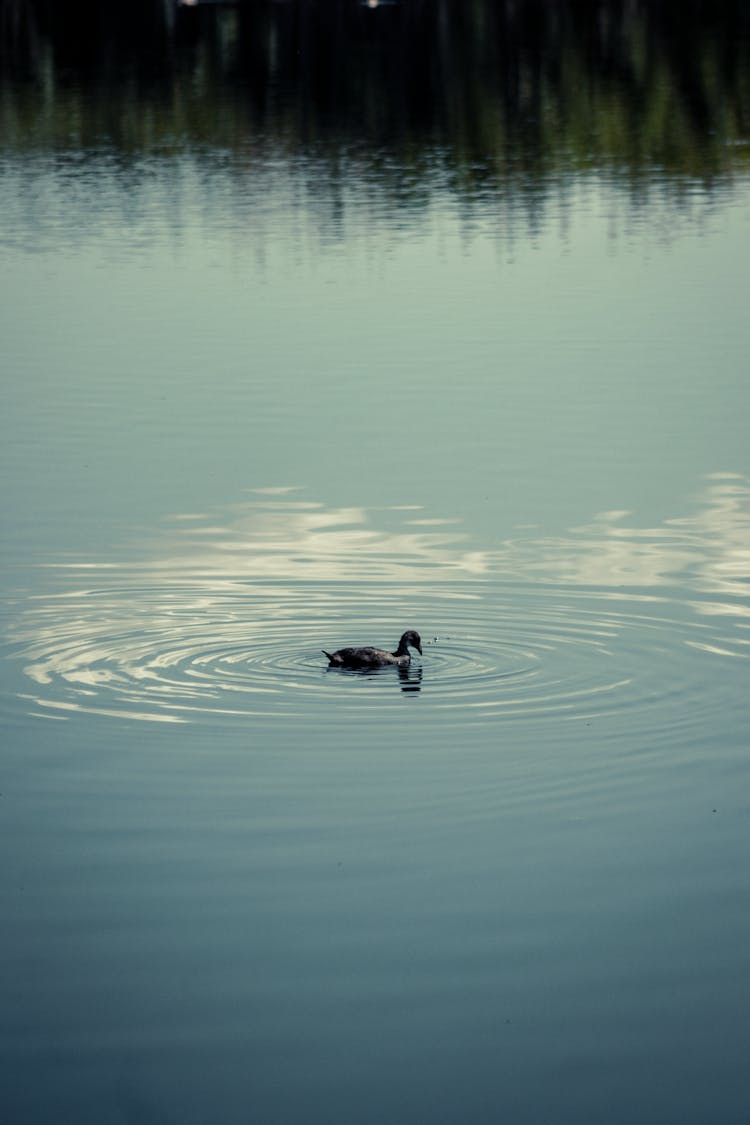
x,y
229,618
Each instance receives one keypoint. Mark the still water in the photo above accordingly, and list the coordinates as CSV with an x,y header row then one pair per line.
x,y
303,347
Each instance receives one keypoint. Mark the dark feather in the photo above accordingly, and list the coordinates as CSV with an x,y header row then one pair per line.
x,y
367,657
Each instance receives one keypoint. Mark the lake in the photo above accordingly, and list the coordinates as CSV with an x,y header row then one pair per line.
x,y
320,323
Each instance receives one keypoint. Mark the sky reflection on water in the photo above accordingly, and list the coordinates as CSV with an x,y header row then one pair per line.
x,y
282,536
240,607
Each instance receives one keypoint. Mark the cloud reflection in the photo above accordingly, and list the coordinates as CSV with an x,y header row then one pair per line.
x,y
275,536
708,551
226,612
281,535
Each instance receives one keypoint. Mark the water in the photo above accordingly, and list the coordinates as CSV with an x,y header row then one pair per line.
x,y
304,347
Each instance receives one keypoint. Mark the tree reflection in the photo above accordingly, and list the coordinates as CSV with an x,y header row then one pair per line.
x,y
520,91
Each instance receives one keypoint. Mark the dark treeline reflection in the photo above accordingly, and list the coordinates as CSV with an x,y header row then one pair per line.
x,y
497,86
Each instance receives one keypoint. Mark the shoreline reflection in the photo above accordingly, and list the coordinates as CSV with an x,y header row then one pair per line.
x,y
479,104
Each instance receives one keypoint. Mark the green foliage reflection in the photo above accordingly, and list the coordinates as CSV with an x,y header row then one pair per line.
x,y
492,90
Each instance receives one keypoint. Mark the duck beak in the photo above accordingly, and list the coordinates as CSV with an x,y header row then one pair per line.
x,y
419,649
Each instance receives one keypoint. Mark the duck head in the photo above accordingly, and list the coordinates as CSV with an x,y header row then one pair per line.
x,y
410,639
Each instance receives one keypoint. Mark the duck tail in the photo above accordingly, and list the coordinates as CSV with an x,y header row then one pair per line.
x,y
330,658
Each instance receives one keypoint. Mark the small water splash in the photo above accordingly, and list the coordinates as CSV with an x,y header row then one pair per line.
x,y
228,616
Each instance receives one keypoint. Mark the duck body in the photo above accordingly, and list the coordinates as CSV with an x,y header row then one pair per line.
x,y
376,657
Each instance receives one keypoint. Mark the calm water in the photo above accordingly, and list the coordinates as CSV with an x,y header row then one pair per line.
x,y
317,326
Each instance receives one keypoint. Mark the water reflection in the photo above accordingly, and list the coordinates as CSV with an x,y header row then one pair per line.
x,y
227,616
411,678
487,94
280,536
276,533
709,550
332,122
408,678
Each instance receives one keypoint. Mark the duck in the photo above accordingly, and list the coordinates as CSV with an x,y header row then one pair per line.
x,y
376,657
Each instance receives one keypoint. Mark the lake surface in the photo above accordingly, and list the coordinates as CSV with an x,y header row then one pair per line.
x,y
319,325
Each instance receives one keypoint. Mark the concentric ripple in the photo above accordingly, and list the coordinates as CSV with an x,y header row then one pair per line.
x,y
176,655
236,626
